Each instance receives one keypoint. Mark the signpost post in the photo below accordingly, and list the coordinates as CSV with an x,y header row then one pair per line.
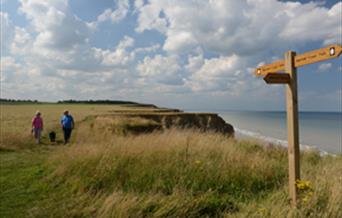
x,y
272,76
292,126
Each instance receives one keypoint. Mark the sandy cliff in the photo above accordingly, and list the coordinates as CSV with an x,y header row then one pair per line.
x,y
147,121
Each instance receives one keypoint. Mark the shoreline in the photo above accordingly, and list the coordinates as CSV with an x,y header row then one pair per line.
x,y
241,134
270,127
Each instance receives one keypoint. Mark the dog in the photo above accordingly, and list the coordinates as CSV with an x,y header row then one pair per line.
x,y
52,136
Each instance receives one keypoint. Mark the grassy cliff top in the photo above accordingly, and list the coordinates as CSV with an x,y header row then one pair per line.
x,y
174,173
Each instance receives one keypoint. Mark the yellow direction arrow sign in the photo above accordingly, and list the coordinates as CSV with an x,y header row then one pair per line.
x,y
277,78
310,57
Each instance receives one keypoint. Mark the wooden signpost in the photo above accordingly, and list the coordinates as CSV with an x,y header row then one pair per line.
x,y
310,57
272,76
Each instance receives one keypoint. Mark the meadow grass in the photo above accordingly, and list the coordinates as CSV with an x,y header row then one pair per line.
x,y
174,173
15,132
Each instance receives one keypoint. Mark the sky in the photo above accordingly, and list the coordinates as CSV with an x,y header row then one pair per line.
x,y
195,54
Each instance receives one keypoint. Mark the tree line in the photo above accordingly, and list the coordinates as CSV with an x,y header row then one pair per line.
x,y
5,100
72,101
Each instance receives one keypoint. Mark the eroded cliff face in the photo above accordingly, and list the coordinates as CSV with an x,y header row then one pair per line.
x,y
144,122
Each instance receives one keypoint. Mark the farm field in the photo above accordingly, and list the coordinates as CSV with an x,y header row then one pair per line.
x,y
171,173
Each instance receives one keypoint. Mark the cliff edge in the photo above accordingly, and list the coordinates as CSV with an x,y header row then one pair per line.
x,y
148,121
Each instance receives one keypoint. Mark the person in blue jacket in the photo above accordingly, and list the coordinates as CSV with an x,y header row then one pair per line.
x,y
67,122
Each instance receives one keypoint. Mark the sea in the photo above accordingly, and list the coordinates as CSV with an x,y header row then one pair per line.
x,y
321,131
317,130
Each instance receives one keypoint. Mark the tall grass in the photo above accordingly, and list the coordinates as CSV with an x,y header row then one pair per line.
x,y
174,173
190,174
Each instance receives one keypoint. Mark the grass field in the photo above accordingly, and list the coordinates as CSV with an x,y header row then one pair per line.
x,y
174,173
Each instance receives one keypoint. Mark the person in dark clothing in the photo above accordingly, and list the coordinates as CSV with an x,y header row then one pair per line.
x,y
67,122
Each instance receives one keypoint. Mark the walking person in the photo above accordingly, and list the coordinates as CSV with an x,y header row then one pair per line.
x,y
68,124
37,126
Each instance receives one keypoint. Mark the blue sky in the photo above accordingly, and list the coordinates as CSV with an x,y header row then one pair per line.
x,y
192,54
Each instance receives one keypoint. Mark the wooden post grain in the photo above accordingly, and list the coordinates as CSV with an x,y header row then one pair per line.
x,y
292,126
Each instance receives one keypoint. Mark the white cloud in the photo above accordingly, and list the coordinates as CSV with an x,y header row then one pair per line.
x,y
117,15
55,51
120,56
161,69
8,69
214,74
105,15
7,32
311,23
152,48
150,17
324,67
237,35
182,42
195,63
44,14
22,41
56,26
138,4
126,42
241,27
62,40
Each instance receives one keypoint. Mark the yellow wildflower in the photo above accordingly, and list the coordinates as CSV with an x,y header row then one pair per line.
x,y
303,185
198,162
305,190
262,211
